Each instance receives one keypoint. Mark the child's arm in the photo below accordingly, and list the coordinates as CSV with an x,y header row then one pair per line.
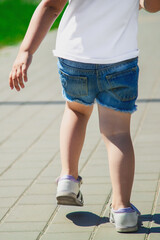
x,y
150,5
41,21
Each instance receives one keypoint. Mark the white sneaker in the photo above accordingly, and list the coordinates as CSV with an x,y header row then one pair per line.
x,y
125,219
68,191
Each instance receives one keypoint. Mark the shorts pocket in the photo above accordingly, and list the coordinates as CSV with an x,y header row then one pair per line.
x,y
75,86
124,84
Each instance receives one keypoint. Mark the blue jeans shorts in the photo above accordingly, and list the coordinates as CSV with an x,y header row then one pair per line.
x,y
111,85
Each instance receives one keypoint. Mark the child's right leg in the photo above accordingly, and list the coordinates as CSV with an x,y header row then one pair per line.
x,y
72,134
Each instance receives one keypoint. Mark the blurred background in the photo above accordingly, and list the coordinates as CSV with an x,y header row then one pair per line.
x,y
15,16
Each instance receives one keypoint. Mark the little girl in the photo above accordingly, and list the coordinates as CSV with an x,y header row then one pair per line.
x,y
97,61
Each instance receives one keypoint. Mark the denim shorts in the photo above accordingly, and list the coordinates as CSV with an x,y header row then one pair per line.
x,y
111,85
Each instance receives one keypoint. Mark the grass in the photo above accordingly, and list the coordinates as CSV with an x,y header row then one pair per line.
x,y
15,16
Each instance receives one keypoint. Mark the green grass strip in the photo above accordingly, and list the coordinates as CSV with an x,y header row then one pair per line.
x,y
15,16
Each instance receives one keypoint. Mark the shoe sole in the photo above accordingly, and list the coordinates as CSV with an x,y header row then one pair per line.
x,y
68,199
129,229
123,230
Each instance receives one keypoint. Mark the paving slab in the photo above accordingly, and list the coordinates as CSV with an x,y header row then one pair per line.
x,y
34,213
13,227
71,236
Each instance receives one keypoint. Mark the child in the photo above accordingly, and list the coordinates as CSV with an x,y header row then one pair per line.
x,y
97,60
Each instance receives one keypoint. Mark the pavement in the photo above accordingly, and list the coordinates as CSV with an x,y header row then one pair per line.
x,y
30,159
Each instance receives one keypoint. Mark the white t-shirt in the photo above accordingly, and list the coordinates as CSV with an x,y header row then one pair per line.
x,y
98,31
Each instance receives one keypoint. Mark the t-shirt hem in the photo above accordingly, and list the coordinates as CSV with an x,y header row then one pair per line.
x,y
123,57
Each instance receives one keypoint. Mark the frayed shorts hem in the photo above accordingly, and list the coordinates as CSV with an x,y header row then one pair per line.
x,y
116,109
68,99
76,100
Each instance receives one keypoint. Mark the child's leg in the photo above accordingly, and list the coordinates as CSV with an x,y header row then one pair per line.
x,y
115,130
72,134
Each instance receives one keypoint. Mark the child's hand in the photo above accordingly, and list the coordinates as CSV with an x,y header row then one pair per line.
x,y
18,74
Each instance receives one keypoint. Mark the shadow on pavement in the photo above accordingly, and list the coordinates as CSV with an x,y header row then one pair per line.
x,y
148,218
10,103
86,219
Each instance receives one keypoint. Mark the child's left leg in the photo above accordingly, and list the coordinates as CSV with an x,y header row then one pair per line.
x,y
72,135
115,130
